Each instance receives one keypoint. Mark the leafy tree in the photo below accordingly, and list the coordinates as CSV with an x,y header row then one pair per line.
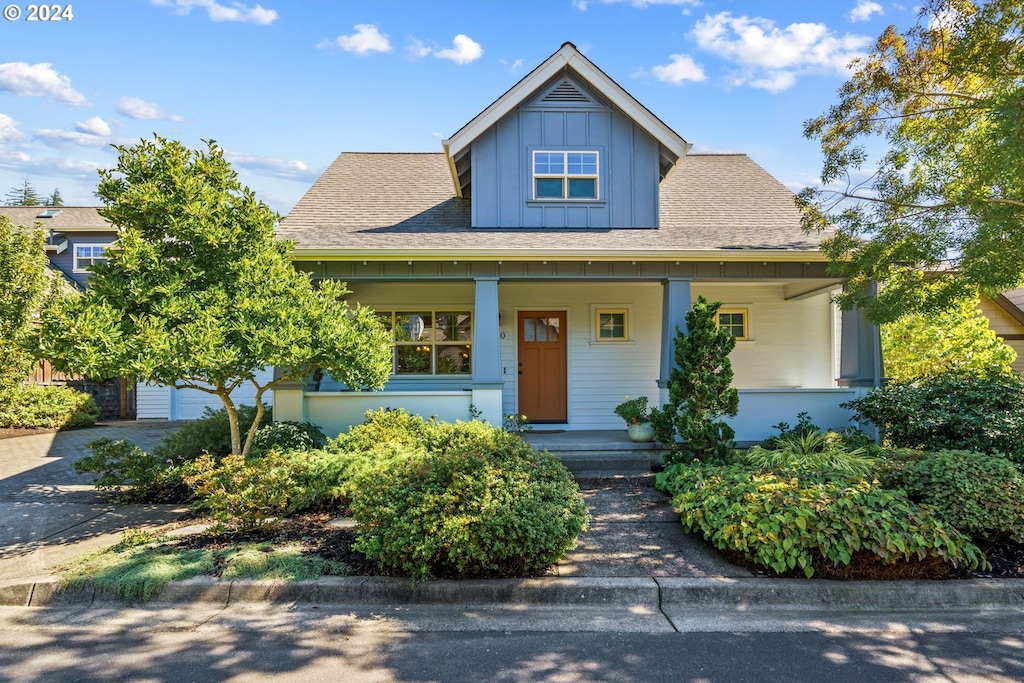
x,y
699,389
956,340
197,293
943,102
23,272
23,195
55,199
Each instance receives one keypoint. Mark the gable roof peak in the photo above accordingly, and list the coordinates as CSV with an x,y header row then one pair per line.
x,y
567,58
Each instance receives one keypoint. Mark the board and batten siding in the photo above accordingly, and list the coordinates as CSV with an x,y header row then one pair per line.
x,y
502,175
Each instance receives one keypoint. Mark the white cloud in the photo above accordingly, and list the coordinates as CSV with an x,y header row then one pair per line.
x,y
864,10
463,51
289,169
58,138
681,68
59,166
137,108
93,126
513,66
770,57
9,130
417,49
365,40
642,4
218,12
38,80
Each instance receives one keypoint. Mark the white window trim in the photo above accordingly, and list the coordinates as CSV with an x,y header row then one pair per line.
x,y
595,324
745,310
565,176
75,267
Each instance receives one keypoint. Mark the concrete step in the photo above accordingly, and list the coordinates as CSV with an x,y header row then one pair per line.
x,y
621,462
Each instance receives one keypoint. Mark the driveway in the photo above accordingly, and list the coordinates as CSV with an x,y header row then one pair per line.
x,y
49,513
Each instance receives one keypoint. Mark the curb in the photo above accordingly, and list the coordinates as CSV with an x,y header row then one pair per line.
x,y
624,593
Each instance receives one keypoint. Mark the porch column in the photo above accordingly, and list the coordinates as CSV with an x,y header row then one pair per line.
x,y
676,301
860,351
487,381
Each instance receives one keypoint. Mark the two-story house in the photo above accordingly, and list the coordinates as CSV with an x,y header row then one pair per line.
x,y
541,263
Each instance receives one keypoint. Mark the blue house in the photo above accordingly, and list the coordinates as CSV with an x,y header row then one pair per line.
x,y
542,261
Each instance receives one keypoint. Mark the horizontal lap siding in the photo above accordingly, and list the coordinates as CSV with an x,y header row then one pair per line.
x,y
792,341
1003,323
600,375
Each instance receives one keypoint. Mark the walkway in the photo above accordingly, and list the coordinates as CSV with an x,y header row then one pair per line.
x,y
49,513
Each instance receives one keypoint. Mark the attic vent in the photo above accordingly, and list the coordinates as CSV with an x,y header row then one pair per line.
x,y
565,92
48,213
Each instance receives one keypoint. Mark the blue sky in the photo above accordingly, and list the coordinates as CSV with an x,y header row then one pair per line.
x,y
284,87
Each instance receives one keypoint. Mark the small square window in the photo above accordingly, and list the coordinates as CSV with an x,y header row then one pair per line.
x,y
734,320
612,325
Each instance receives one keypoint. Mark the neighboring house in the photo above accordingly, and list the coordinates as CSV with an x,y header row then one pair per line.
x,y
541,263
1005,315
77,237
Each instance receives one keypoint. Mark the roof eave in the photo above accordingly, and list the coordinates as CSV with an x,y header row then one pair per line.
x,y
644,255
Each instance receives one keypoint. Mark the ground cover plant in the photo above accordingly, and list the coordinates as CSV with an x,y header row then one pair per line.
x,y
830,526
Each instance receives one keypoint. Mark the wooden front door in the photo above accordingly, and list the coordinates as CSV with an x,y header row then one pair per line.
x,y
542,376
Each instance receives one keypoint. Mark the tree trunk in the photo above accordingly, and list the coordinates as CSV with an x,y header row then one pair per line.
x,y
229,405
254,427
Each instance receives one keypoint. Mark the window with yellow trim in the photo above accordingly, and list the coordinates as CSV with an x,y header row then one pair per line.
x,y
611,324
735,320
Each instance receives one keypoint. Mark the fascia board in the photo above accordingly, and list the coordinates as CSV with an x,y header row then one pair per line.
x,y
645,255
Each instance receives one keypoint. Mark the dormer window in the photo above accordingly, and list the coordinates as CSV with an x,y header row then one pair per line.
x,y
565,175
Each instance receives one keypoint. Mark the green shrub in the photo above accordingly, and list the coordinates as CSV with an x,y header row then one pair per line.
x,y
128,471
382,426
243,494
464,514
47,406
210,433
289,436
949,412
327,479
981,495
786,523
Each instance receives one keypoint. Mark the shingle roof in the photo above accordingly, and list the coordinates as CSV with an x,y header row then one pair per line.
x,y
367,201
68,218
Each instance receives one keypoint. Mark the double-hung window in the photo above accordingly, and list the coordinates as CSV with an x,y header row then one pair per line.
x,y
565,175
89,255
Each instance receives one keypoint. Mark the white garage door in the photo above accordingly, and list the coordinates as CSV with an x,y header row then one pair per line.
x,y
188,404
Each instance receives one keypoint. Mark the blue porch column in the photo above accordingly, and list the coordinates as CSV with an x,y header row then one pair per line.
x,y
675,303
487,380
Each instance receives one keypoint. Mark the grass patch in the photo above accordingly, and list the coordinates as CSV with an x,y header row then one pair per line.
x,y
139,567
265,561
135,574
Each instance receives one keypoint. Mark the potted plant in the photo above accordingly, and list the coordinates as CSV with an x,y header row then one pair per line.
x,y
638,418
